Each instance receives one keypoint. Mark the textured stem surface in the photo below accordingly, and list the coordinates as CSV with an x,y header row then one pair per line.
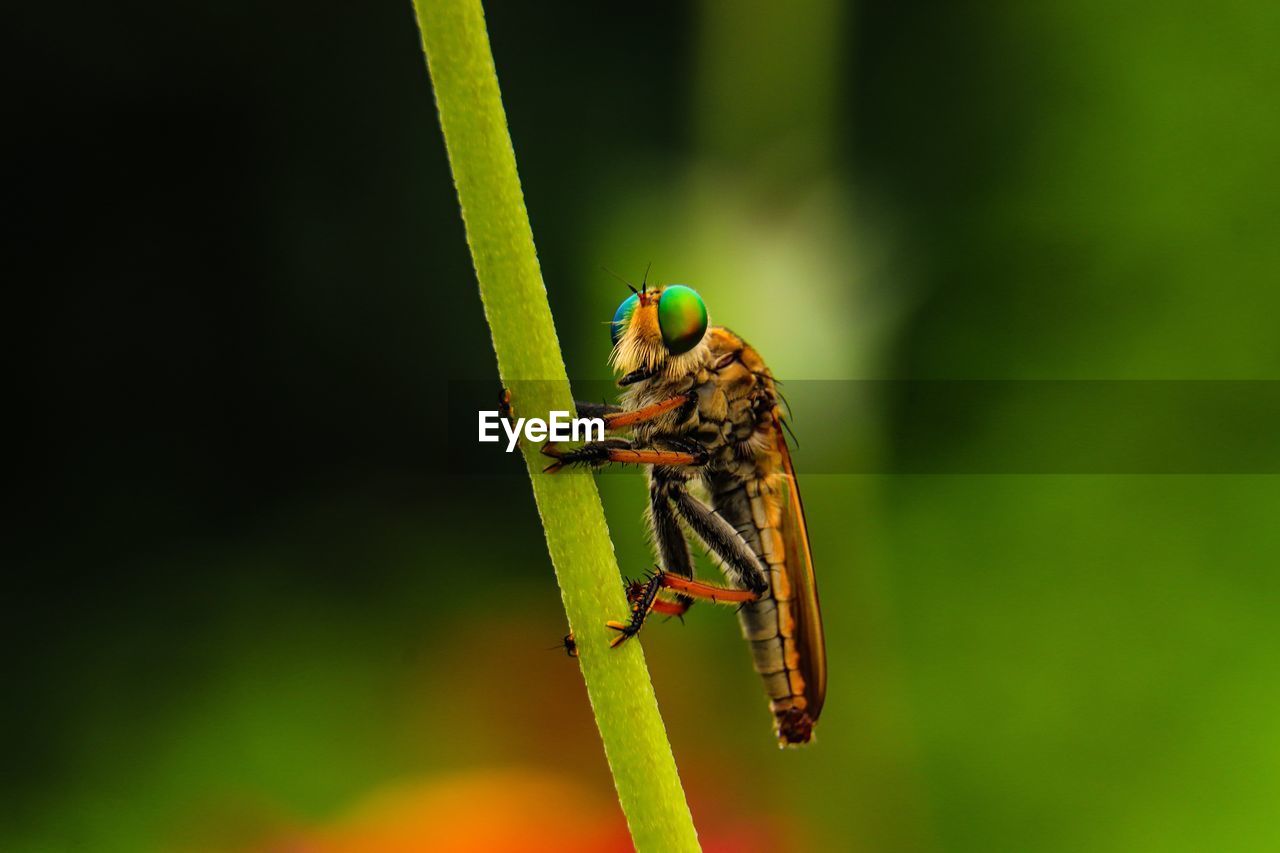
x,y
531,365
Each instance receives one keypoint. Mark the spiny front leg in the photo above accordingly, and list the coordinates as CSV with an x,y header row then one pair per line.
x,y
681,403
600,453
615,417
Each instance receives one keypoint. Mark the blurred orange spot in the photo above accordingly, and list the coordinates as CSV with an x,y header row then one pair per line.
x,y
485,811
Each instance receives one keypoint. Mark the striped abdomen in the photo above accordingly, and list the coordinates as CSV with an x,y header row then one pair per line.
x,y
753,507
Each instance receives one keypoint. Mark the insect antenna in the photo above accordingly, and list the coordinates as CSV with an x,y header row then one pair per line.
x,y
644,282
629,285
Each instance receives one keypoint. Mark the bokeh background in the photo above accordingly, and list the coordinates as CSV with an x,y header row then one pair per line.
x,y
251,609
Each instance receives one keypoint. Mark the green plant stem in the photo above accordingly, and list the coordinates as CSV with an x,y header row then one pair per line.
x,y
530,363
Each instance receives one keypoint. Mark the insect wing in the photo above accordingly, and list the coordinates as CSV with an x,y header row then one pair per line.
x,y
795,537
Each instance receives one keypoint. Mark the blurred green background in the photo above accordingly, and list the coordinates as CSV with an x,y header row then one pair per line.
x,y
252,611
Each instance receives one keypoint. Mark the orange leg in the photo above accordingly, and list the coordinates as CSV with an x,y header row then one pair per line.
x,y
644,600
706,591
616,450
636,591
654,457
670,608
620,420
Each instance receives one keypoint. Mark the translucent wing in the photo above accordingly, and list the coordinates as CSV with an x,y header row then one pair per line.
x,y
795,536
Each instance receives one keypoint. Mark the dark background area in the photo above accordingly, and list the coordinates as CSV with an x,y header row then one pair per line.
x,y
246,590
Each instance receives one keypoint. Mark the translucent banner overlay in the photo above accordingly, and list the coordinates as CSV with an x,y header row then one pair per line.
x,y
975,426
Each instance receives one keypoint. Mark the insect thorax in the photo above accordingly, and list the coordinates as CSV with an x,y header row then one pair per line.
x,y
732,419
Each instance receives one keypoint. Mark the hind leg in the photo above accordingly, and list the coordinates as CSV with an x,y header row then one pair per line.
x,y
669,497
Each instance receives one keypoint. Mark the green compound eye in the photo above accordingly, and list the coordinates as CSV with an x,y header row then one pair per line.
x,y
622,316
682,318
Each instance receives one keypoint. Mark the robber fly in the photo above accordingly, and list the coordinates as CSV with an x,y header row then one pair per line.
x,y
702,410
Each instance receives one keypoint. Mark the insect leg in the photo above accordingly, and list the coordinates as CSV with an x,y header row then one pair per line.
x,y
597,453
725,543
616,418
672,608
639,375
667,537
682,402
689,590
643,597
692,589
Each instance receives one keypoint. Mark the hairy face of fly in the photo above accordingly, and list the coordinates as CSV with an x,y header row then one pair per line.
x,y
663,329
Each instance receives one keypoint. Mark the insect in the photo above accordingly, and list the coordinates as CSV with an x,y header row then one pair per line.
x,y
701,409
